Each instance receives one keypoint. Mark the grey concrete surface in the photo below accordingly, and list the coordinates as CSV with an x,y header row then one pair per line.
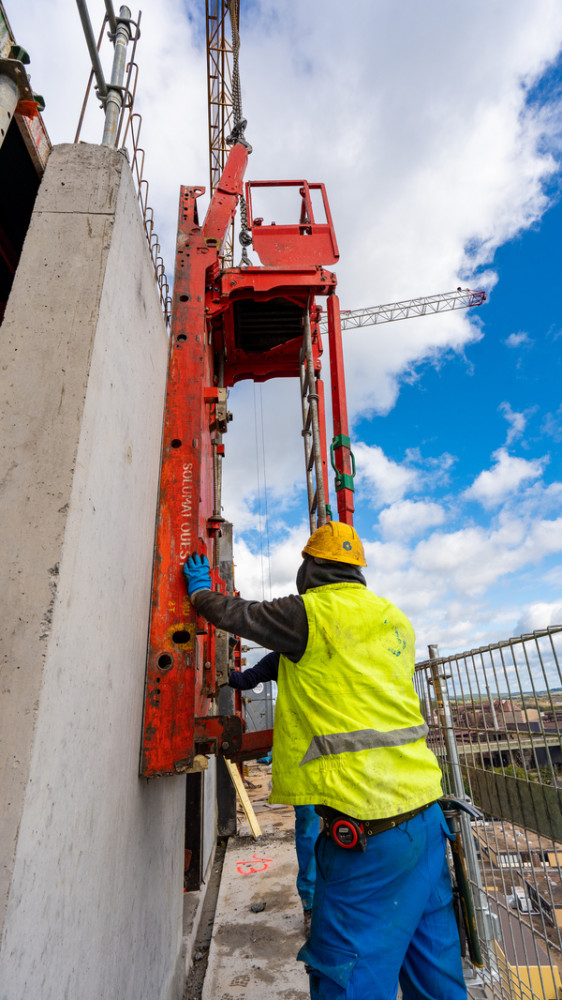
x,y
92,856
253,955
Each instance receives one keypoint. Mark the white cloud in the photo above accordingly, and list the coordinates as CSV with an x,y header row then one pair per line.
x,y
540,615
408,518
517,421
381,480
552,424
264,449
454,586
474,558
517,339
260,579
535,501
504,479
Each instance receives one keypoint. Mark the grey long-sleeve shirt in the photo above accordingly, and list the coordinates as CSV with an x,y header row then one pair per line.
x,y
280,625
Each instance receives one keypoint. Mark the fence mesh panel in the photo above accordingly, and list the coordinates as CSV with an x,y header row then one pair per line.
x,y
495,719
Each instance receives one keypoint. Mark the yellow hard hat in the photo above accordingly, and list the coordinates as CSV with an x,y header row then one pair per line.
x,y
337,541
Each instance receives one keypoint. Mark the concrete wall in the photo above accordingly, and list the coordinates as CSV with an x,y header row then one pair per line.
x,y
92,855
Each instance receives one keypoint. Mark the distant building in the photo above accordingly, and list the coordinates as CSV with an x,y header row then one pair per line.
x,y
503,849
546,893
520,975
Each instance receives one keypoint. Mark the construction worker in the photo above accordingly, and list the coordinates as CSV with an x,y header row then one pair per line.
x,y
306,818
349,736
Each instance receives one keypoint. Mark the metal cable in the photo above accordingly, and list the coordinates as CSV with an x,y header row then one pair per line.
x,y
265,492
259,494
239,122
237,134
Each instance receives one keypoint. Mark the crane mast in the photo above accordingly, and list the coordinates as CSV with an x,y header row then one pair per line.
x,y
220,102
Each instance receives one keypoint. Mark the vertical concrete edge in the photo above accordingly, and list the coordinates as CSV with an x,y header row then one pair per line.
x,y
39,428
115,926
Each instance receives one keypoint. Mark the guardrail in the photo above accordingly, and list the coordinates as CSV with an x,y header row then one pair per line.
x,y
495,723
122,124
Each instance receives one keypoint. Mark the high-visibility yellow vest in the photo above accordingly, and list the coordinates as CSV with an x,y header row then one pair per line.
x,y
348,728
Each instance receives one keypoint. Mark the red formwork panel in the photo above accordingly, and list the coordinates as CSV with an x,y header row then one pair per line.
x,y
179,686
227,325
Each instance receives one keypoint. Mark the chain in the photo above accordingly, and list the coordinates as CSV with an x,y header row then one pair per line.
x,y
237,134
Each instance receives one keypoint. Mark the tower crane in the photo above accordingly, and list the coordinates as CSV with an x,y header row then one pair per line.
x,y
461,298
220,104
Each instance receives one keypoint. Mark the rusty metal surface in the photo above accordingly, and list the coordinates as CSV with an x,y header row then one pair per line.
x,y
32,128
34,135
218,734
253,746
180,646
226,326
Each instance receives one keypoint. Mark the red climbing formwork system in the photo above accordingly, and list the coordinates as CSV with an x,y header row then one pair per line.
x,y
250,322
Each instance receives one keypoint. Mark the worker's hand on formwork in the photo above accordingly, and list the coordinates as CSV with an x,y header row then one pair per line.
x,y
197,573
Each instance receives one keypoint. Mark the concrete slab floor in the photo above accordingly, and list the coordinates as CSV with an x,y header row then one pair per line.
x,y
253,954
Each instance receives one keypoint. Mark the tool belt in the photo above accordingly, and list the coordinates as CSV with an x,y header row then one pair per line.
x,y
351,833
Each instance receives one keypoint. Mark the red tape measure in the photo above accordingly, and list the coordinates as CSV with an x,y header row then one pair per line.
x,y
348,833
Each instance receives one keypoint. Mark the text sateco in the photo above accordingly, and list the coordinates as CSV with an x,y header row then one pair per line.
x,y
186,511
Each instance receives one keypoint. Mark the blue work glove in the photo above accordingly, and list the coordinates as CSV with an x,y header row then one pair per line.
x,y
197,573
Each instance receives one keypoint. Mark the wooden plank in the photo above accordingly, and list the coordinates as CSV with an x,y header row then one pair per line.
x,y
243,796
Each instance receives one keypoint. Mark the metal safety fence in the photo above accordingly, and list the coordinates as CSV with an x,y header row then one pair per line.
x,y
494,716
122,124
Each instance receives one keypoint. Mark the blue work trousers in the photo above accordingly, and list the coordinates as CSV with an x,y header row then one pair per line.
x,y
385,915
307,826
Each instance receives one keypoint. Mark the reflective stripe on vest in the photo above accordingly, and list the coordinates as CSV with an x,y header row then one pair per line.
x,y
361,739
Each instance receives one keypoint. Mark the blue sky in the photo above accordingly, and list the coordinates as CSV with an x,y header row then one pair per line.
x,y
439,138
461,405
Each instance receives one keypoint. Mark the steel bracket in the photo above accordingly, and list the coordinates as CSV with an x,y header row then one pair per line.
x,y
218,734
254,745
